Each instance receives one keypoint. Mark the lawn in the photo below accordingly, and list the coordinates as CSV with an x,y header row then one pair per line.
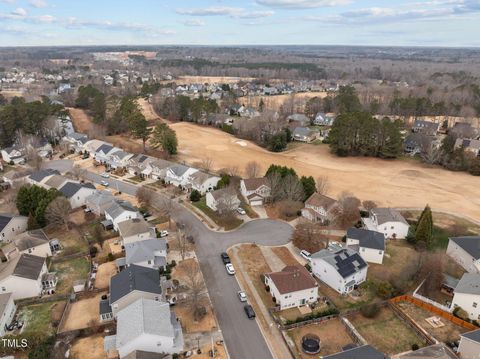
x,y
70,271
38,318
71,241
227,223
386,332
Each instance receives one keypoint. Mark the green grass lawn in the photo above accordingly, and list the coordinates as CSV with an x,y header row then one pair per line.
x,y
225,222
38,319
70,271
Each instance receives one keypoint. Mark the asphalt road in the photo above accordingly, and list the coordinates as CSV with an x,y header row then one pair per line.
x,y
242,336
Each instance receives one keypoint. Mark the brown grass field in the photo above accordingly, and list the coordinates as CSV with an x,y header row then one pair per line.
x,y
83,314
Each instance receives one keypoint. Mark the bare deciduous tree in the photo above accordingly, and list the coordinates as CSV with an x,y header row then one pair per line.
x,y
196,288
369,205
253,169
348,212
232,171
166,207
308,236
207,164
144,196
57,212
292,189
78,173
227,202
323,185
431,269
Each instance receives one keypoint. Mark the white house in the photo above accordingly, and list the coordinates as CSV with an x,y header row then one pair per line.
x,y
320,208
22,276
7,311
11,225
466,252
33,242
179,175
466,295
388,221
255,190
156,169
322,119
223,199
469,347
121,211
203,182
92,146
103,152
150,253
77,193
99,201
369,244
39,178
13,155
75,141
292,287
135,229
119,159
146,325
138,164
341,269
305,134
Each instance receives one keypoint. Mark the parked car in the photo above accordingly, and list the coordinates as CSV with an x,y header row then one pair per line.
x,y
225,258
242,296
230,269
104,183
305,254
249,311
105,175
241,211
87,210
163,234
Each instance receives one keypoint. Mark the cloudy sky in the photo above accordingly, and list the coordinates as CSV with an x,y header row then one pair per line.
x,y
229,22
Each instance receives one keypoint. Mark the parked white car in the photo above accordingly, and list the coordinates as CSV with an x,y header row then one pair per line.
x,y
305,254
230,269
104,183
105,175
242,296
241,211
163,234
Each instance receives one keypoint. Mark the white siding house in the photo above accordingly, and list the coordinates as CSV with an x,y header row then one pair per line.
x,y
121,211
466,252
342,269
135,230
77,193
320,208
203,182
7,311
222,200
387,221
255,190
466,295
369,244
11,225
469,347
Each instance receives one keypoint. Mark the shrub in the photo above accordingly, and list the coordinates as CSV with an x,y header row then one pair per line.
x,y
195,196
370,310
415,346
384,289
173,263
460,313
110,257
308,267
267,288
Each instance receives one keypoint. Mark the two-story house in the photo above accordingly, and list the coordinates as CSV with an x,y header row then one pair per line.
x,y
466,295
369,244
255,190
320,208
387,221
466,252
11,225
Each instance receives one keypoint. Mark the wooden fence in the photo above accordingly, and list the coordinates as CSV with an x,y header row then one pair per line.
x,y
435,310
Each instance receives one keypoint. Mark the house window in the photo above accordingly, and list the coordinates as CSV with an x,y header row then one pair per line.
x,y
3,289
380,252
474,305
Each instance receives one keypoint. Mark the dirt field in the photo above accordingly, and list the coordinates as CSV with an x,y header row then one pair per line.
x,y
88,348
82,121
209,79
285,255
147,109
104,273
449,332
397,183
83,313
386,332
333,336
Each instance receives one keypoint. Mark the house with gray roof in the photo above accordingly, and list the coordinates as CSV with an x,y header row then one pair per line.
x,y
136,229
138,163
203,182
466,252
75,141
14,154
341,269
40,177
305,134
156,169
150,253
435,351
179,175
388,221
34,242
322,119
132,283
11,225
469,145
99,201
146,325
7,311
56,181
121,211
466,295
222,200
369,244
362,352
427,127
119,159
469,347
103,152
77,193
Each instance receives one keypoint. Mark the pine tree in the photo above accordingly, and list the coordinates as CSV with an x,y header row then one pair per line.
x,y
424,230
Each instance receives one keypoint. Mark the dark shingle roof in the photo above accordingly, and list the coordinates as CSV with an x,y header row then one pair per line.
x,y
4,220
367,238
473,335
363,352
346,261
38,176
470,244
105,306
134,278
29,266
104,148
30,239
70,188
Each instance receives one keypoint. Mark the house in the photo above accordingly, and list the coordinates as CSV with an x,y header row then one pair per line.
x,y
75,141
7,311
178,175
103,152
469,145
362,352
222,200
299,118
17,175
387,221
55,181
121,211
40,177
135,229
417,143
292,287
255,190
466,295
33,242
341,269
138,163
11,225
150,253
156,169
77,193
464,130
305,134
426,127
23,275
119,159
131,284
203,182
92,146
469,347
466,252
369,244
320,208
146,325
13,155
322,119
99,201
42,147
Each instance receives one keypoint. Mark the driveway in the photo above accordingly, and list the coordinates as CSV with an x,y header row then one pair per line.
x,y
242,336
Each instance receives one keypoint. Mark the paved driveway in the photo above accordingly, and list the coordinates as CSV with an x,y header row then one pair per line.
x,y
242,336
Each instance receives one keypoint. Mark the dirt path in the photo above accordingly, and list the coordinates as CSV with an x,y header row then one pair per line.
x,y
147,109
81,121
273,261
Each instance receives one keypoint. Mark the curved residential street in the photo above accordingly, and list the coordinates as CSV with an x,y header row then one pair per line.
x,y
242,336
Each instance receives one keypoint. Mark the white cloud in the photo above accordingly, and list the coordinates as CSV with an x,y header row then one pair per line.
x,y
233,12
74,23
9,1
194,22
302,4
37,3
19,12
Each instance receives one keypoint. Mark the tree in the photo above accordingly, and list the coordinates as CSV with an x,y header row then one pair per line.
x,y
195,196
323,185
348,212
347,100
196,288
78,173
166,138
207,164
308,236
424,227
98,235
57,212
33,201
369,205
144,196
253,169
139,128
431,270
313,106
309,188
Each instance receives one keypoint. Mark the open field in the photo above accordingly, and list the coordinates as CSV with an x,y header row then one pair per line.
x,y
208,79
104,273
83,313
386,332
332,333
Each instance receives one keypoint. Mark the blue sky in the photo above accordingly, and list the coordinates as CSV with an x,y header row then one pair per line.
x,y
228,22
